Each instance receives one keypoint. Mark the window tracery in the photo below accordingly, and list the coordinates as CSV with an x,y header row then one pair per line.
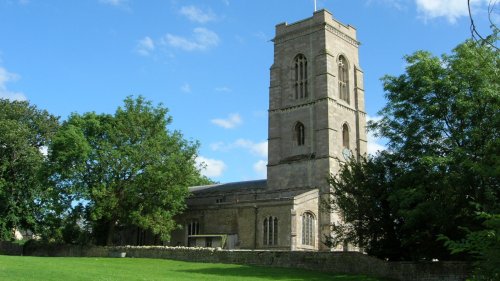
x,y
308,223
343,79
270,231
300,77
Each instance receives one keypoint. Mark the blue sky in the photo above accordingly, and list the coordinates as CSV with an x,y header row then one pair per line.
x,y
207,61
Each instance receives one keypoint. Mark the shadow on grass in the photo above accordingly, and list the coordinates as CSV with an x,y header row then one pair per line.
x,y
278,274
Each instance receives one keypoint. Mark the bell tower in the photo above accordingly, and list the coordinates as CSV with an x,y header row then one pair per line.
x,y
316,105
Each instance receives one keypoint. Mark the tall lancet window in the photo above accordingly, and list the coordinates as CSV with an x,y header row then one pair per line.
x,y
193,227
345,136
300,134
343,79
308,229
270,231
300,80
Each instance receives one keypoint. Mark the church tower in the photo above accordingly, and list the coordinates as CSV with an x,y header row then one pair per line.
x,y
316,121
317,115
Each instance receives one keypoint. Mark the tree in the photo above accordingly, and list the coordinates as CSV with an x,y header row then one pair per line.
x,y
125,169
442,123
25,132
476,35
442,117
361,193
484,245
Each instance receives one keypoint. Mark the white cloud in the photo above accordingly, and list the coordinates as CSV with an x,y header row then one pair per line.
x,y
397,4
223,89
260,168
230,122
449,9
373,118
226,2
219,146
374,144
145,46
431,9
210,167
186,88
259,148
5,77
202,39
256,148
113,2
196,14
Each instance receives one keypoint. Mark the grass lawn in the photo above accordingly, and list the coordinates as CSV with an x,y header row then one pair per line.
x,y
15,268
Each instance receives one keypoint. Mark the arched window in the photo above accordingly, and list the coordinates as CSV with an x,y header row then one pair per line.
x,y
193,227
270,231
300,134
308,229
345,136
343,79
300,81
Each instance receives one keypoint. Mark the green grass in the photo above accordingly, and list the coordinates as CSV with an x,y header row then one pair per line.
x,y
15,268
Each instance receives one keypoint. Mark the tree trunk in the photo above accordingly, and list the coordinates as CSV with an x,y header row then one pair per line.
x,y
110,232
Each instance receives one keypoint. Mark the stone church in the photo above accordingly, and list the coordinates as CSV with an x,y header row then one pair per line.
x,y
316,120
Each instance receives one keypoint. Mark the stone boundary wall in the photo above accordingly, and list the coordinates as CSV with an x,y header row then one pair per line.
x,y
64,250
335,262
10,249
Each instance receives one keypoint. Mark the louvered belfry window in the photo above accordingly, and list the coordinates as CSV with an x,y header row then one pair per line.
x,y
300,81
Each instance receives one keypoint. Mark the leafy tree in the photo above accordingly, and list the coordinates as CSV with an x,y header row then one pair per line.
x,y
361,193
125,169
25,132
442,124
484,245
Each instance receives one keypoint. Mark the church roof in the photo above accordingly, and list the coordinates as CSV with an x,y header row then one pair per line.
x,y
232,186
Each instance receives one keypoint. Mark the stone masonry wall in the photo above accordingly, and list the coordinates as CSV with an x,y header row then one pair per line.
x,y
335,262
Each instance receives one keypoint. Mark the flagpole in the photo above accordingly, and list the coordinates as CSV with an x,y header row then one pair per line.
x,y
314,5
